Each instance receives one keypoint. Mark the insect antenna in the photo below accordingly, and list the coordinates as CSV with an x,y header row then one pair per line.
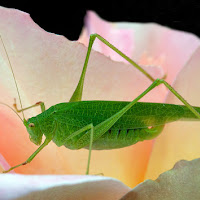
x,y
14,79
11,109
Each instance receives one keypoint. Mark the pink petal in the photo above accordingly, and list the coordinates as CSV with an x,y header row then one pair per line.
x,y
121,38
179,140
47,68
32,51
149,44
60,187
4,165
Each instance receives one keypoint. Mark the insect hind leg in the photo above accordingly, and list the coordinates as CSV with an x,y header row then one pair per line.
x,y
104,126
77,95
156,83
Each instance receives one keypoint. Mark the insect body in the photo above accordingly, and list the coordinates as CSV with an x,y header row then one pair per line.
x,y
142,122
103,124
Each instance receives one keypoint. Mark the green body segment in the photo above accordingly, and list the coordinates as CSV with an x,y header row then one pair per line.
x,y
142,122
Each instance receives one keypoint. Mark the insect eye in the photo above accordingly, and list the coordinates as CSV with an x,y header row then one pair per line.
x,y
31,125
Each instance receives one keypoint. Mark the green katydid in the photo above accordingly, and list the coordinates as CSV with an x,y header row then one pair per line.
x,y
102,124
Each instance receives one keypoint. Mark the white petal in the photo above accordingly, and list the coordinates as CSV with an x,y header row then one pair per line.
x,y
60,187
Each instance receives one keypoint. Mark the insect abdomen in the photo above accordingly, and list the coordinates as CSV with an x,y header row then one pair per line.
x,y
119,138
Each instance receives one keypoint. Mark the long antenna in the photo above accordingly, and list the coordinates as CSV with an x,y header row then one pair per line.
x,y
13,76
11,109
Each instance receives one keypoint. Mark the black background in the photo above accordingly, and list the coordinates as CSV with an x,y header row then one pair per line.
x,y
55,16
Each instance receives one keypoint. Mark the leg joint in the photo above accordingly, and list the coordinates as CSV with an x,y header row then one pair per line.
x,y
159,81
93,36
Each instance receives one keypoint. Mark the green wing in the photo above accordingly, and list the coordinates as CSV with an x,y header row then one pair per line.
x,y
141,115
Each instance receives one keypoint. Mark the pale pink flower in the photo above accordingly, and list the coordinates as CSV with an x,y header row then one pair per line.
x,y
176,53
182,182
47,68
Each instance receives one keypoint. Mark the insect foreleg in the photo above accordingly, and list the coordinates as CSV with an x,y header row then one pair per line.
x,y
46,142
77,95
40,103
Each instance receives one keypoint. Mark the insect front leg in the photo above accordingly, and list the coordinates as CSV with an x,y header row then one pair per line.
x,y
46,142
40,103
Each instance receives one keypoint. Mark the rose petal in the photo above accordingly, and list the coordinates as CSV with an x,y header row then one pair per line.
x,y
179,140
4,165
182,182
41,50
151,44
47,68
121,38
60,187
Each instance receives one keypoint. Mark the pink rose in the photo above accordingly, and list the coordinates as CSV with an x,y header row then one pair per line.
x,y
177,54
47,68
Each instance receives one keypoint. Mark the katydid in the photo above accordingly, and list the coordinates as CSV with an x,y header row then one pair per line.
x,y
102,124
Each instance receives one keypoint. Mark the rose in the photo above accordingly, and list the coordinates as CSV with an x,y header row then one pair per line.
x,y
43,75
179,140
182,182
58,187
177,53
110,80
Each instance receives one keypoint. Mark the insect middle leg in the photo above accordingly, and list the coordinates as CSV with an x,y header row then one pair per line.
x,y
87,128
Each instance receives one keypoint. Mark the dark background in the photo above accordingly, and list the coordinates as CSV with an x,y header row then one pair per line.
x,y
68,19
